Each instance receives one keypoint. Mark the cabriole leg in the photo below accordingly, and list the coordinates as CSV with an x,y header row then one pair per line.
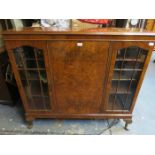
x,y
30,124
127,122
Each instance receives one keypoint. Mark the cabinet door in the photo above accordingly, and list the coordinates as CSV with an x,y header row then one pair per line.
x,y
78,70
28,62
130,60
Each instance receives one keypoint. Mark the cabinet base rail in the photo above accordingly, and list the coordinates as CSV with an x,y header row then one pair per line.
x,y
126,117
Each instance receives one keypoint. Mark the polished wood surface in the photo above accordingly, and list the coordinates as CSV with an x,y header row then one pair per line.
x,y
90,31
78,75
80,65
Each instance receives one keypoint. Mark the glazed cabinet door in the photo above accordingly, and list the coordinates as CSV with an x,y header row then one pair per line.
x,y
78,69
29,62
129,63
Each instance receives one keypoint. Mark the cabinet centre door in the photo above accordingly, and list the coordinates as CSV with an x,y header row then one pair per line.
x,y
78,71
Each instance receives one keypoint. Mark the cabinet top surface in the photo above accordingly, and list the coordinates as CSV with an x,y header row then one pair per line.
x,y
78,31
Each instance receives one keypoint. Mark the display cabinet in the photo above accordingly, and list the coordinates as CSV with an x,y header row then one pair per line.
x,y
79,74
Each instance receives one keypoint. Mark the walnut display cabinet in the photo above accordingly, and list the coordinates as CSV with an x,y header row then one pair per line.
x,y
79,74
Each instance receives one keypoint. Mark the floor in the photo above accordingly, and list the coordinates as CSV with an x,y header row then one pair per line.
x,y
12,119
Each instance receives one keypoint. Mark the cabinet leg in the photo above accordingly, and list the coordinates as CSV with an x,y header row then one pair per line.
x,y
30,124
127,122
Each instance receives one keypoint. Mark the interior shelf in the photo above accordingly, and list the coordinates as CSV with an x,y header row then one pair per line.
x,y
130,60
125,76
126,69
39,96
33,69
33,59
123,79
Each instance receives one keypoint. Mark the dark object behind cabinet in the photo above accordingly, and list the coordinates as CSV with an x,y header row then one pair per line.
x,y
120,23
8,92
91,73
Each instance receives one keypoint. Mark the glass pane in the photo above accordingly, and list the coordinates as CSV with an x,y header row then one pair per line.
x,y
27,88
31,104
38,101
28,52
115,102
120,87
43,76
35,87
47,101
132,53
45,88
44,82
22,74
18,58
29,62
119,101
39,54
127,71
128,65
41,64
126,75
33,75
